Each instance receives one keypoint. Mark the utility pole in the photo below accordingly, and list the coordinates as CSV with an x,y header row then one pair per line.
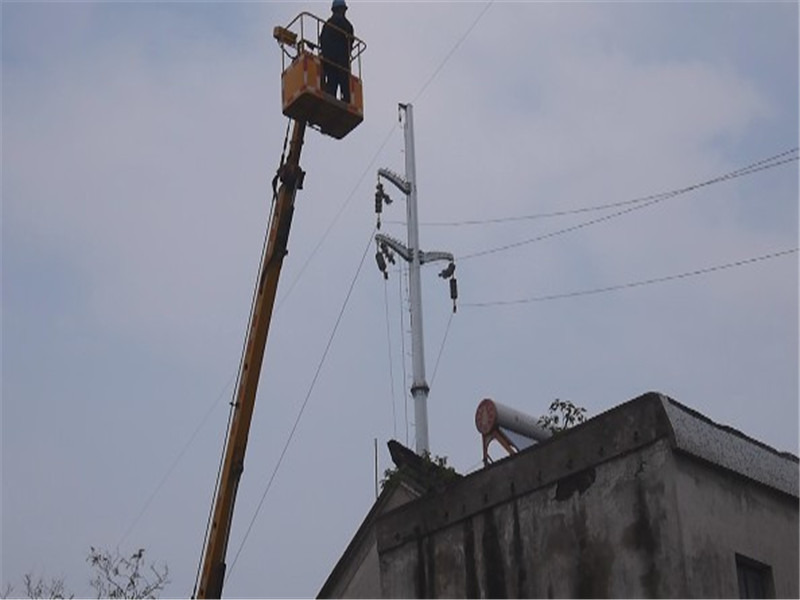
x,y
415,258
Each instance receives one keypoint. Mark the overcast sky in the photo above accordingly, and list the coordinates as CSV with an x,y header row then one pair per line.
x,y
139,142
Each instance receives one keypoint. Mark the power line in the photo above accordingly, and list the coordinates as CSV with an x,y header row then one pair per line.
x,y
378,151
303,406
208,413
389,343
400,281
596,207
750,169
338,214
288,292
217,480
452,51
614,288
308,260
175,462
424,87
233,402
441,348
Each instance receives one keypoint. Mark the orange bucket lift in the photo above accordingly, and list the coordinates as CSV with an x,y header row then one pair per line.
x,y
303,95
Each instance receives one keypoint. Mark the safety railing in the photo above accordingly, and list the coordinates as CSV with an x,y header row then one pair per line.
x,y
302,35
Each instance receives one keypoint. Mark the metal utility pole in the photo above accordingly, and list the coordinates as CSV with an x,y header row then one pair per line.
x,y
419,388
415,258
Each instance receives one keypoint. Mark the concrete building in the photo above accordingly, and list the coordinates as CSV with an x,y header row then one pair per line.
x,y
649,499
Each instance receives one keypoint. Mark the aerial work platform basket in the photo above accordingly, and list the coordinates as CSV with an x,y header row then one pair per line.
x,y
302,81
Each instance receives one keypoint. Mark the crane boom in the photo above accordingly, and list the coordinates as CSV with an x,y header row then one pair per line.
x,y
291,177
307,103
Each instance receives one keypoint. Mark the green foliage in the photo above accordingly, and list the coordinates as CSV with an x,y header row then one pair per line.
x,y
435,471
562,415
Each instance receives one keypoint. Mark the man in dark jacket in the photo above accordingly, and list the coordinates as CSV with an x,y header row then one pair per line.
x,y
336,41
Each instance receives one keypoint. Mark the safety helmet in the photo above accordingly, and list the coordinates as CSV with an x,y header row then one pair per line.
x,y
338,4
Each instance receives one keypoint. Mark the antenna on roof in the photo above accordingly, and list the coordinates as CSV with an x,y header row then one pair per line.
x,y
376,468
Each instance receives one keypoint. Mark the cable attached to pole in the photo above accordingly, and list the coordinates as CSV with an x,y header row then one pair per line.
x,y
761,165
622,286
302,408
389,342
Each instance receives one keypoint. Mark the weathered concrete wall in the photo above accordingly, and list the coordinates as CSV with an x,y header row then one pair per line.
x,y
365,582
358,573
608,531
633,503
722,514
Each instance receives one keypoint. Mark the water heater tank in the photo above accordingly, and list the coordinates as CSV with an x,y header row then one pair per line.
x,y
492,416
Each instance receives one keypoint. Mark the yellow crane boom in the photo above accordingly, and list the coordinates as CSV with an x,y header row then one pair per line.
x,y
307,104
291,176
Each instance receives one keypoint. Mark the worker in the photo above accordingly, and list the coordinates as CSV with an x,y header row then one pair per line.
x,y
336,41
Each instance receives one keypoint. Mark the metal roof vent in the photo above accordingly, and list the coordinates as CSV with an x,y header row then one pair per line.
x,y
512,429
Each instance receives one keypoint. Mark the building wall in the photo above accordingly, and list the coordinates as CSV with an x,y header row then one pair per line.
x,y
608,531
649,523
633,503
365,581
722,515
358,575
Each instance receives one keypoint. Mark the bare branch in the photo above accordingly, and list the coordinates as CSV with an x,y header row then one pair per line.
x,y
39,588
118,576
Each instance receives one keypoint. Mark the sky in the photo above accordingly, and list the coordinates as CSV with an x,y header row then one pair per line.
x,y
139,141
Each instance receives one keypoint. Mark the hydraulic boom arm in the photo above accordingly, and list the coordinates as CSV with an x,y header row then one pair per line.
x,y
212,574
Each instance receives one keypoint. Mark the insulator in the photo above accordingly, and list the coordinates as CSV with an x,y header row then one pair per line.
x,y
381,264
453,289
381,195
448,271
379,199
387,252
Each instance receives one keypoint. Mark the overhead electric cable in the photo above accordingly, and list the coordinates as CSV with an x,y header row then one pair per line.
x,y
753,168
576,211
338,214
311,256
264,245
213,496
303,405
313,253
614,288
377,152
175,462
452,51
441,349
400,281
389,343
